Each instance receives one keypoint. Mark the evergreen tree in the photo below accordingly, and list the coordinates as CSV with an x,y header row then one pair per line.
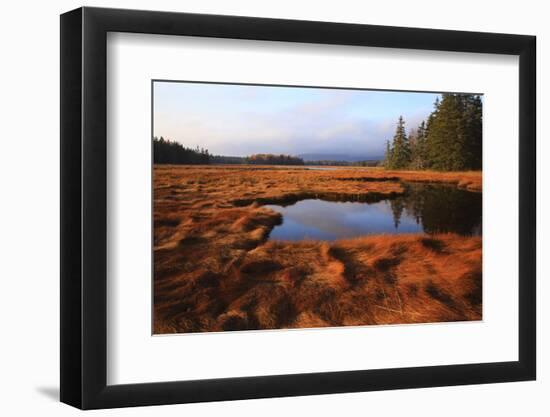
x,y
172,152
450,140
453,140
400,151
473,115
418,147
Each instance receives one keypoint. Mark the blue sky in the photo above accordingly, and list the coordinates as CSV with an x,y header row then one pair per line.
x,y
241,120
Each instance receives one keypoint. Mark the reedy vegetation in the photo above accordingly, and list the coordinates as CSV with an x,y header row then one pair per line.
x,y
215,269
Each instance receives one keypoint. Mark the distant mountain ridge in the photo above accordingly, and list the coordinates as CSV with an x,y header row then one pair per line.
x,y
338,157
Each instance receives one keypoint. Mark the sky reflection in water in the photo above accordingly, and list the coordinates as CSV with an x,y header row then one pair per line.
x,y
425,208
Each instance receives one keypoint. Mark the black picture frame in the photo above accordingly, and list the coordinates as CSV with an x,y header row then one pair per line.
x,y
84,207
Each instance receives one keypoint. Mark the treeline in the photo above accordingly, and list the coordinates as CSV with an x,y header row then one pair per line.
x,y
171,152
450,139
258,159
271,159
222,159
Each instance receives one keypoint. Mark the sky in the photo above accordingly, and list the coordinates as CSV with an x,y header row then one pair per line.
x,y
240,120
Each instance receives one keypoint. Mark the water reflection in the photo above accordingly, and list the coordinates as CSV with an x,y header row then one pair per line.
x,y
423,208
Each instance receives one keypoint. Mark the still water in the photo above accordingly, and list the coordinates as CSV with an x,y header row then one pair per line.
x,y
423,208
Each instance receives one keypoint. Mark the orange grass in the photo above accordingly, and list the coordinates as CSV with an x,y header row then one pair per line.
x,y
215,270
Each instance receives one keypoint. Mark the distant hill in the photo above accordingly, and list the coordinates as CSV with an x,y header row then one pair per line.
x,y
339,157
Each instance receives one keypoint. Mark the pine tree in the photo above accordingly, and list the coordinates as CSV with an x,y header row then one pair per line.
x,y
453,141
473,115
171,152
450,140
401,151
418,147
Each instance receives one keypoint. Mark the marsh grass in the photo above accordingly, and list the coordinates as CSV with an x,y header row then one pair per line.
x,y
216,270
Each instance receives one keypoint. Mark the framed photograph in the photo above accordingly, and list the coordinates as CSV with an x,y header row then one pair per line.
x,y
257,208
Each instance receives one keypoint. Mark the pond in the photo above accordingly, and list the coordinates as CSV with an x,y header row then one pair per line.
x,y
424,208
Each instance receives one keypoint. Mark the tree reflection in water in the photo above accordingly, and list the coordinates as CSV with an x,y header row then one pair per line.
x,y
440,208
428,208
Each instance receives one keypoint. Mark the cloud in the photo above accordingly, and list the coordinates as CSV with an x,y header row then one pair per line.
x,y
328,123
